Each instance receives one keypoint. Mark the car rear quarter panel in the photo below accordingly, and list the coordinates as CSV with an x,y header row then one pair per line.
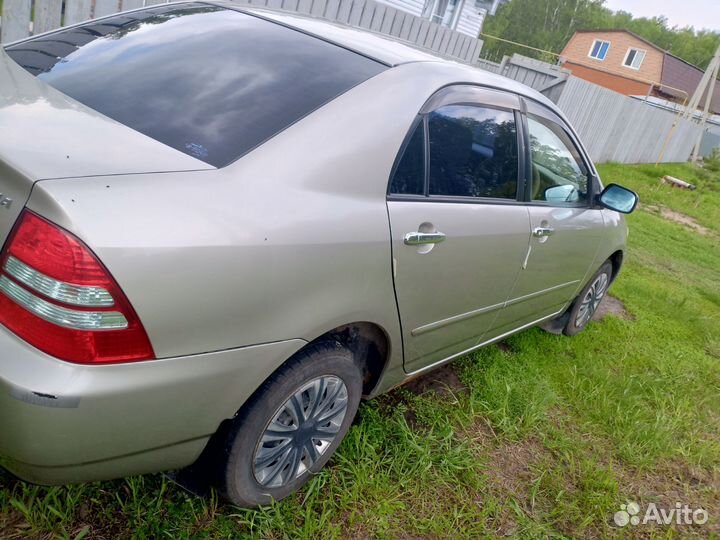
x,y
289,242
55,416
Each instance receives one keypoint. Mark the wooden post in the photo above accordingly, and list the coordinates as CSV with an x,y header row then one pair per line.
x,y
47,16
77,11
714,68
15,20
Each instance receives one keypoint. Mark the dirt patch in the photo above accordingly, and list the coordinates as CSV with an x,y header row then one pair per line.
x,y
676,217
481,434
674,482
443,381
13,526
665,483
611,306
713,349
509,467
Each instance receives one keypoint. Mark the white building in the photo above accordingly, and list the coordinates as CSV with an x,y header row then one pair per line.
x,y
465,16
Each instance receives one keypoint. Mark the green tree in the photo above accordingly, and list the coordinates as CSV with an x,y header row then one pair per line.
x,y
549,24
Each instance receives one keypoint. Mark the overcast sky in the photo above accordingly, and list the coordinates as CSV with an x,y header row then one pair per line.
x,y
697,13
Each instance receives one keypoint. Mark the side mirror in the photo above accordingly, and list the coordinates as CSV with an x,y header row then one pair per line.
x,y
618,198
560,194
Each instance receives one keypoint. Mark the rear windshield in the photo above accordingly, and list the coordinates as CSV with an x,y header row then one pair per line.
x,y
209,81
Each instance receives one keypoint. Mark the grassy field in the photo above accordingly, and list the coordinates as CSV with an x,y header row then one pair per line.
x,y
540,436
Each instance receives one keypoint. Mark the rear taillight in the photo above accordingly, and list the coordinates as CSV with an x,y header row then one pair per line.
x,y
56,295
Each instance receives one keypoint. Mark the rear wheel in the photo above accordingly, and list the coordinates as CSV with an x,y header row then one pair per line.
x,y
292,426
588,300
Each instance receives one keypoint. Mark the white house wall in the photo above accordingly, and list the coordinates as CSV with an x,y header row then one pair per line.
x,y
469,23
471,19
414,7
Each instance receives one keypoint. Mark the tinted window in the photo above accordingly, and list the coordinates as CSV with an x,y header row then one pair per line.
x,y
409,177
473,152
208,81
559,174
599,49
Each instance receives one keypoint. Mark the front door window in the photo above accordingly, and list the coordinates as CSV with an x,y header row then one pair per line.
x,y
559,174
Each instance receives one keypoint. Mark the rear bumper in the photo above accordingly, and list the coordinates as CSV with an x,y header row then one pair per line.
x,y
65,423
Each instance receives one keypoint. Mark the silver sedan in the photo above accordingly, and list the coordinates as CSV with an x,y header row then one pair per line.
x,y
223,228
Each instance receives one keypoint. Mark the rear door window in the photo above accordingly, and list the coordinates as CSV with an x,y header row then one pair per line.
x,y
409,176
473,152
211,82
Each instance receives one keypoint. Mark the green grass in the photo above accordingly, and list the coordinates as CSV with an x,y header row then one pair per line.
x,y
543,437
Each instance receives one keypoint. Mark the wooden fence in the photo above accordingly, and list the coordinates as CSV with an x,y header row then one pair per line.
x,y
541,76
619,128
613,127
21,18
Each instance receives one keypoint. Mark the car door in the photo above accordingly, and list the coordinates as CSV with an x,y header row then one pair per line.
x,y
566,227
459,232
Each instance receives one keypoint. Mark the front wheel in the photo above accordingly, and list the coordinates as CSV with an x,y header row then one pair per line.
x,y
292,426
588,300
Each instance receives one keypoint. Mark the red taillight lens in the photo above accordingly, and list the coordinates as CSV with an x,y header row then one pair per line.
x,y
56,295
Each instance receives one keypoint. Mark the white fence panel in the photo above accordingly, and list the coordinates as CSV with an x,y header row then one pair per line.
x,y
15,20
105,7
48,14
77,11
131,4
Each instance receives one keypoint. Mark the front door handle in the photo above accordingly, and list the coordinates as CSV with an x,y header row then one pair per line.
x,y
542,232
421,238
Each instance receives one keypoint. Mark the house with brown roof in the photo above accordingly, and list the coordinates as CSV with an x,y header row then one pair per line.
x,y
627,63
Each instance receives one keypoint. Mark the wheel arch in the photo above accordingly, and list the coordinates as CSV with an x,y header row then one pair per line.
x,y
617,260
370,345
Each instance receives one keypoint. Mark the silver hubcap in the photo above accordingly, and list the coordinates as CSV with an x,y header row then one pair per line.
x,y
301,431
592,299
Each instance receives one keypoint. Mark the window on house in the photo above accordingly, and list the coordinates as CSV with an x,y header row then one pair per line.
x,y
634,58
599,49
443,12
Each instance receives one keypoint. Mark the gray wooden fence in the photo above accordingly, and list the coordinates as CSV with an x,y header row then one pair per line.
x,y
17,20
541,76
711,141
619,128
613,127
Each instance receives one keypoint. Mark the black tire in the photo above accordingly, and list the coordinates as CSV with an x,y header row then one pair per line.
x,y
327,362
586,303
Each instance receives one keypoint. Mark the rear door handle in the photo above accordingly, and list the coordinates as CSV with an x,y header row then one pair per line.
x,y
541,232
420,238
